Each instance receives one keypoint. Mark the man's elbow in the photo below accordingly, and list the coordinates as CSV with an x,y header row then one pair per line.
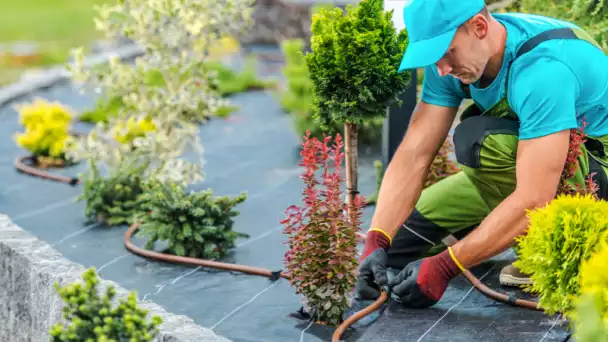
x,y
535,198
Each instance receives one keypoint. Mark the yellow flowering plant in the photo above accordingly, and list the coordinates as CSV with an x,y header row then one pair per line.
x,y
47,130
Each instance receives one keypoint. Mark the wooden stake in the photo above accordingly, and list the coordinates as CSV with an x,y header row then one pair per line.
x,y
350,151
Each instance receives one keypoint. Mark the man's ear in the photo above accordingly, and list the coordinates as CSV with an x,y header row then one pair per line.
x,y
478,26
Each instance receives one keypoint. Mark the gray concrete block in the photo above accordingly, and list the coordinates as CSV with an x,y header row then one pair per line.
x,y
30,305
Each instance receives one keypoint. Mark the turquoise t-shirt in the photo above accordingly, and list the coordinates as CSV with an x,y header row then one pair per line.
x,y
554,87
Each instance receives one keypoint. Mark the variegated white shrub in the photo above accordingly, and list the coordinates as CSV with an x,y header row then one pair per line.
x,y
176,35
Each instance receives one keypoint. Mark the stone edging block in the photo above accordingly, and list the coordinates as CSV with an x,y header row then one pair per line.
x,y
30,305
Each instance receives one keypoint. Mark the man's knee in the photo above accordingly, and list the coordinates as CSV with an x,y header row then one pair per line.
x,y
413,239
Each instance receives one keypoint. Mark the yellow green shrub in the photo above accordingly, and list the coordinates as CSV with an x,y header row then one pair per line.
x,y
592,306
560,237
47,126
126,131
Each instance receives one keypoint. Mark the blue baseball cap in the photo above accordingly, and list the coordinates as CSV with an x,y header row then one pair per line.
x,y
431,26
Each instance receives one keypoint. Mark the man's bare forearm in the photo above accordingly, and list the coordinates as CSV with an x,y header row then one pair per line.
x,y
496,233
538,174
400,189
405,175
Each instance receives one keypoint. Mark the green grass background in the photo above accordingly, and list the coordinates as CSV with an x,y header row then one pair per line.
x,y
56,26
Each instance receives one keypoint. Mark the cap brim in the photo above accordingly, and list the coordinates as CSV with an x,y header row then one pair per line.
x,y
426,52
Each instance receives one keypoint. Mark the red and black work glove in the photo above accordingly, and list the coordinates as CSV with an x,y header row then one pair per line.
x,y
422,283
372,270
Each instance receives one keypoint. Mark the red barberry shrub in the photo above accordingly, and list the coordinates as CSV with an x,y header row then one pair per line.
x,y
442,166
321,262
567,185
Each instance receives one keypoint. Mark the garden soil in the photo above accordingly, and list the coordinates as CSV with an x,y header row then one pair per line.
x,y
255,150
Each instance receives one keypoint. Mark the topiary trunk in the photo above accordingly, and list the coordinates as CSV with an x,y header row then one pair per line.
x,y
350,150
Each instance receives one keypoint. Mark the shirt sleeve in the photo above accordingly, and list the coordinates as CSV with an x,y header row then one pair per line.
x,y
440,91
543,94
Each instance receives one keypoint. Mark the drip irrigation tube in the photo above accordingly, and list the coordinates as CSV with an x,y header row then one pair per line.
x,y
493,294
21,164
275,275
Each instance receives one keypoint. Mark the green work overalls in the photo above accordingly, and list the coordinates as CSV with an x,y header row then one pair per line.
x,y
486,148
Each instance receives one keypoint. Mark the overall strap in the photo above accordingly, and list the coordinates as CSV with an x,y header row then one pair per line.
x,y
559,33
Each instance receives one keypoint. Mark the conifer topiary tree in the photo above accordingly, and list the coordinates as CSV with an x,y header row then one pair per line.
x,y
353,66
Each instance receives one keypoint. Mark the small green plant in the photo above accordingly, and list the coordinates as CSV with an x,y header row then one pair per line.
x,y
113,199
297,96
321,261
194,224
353,63
233,82
560,237
590,325
91,317
591,320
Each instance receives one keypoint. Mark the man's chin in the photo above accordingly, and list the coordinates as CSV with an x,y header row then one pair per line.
x,y
467,79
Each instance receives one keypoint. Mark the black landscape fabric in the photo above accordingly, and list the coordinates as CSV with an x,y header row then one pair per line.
x,y
256,150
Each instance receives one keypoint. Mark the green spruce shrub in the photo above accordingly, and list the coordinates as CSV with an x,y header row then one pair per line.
x,y
194,224
561,236
91,317
115,198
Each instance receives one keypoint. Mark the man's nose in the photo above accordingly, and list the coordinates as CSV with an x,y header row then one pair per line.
x,y
443,68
